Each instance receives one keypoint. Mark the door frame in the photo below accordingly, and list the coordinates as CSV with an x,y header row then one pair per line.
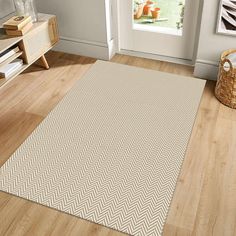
x,y
116,36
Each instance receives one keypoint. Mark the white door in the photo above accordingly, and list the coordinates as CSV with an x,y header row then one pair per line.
x,y
161,27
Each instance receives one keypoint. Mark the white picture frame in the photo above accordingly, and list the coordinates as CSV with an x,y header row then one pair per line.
x,y
226,22
7,7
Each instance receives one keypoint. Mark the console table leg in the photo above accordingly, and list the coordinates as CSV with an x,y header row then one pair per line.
x,y
44,61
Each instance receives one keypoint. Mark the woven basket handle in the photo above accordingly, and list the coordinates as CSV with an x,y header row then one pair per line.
x,y
229,63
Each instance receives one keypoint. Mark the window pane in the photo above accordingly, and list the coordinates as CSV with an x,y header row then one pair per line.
x,y
159,15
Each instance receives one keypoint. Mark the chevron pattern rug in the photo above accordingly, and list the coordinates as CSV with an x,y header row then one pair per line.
x,y
112,149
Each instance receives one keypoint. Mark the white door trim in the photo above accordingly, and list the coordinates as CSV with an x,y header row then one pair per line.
x,y
116,23
157,57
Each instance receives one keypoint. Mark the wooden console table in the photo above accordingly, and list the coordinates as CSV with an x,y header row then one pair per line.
x,y
33,45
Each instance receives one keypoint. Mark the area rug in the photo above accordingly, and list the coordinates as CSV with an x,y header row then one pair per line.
x,y
111,151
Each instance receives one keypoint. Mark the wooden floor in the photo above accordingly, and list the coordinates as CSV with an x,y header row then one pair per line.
x,y
204,202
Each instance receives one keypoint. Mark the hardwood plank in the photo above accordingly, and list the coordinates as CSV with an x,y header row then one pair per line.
x,y
188,189
15,127
49,94
217,207
154,65
172,230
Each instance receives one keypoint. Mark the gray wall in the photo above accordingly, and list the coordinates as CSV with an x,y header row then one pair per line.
x,y
78,19
6,7
211,45
83,25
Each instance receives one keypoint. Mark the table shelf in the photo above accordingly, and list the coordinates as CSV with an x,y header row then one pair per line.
x,y
33,45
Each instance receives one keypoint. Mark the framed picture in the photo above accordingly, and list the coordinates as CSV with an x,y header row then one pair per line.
x,y
227,17
7,7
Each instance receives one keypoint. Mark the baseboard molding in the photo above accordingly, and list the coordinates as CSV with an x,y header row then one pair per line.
x,y
156,57
206,69
203,69
97,50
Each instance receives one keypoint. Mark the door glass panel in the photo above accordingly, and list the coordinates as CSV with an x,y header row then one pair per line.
x,y
162,16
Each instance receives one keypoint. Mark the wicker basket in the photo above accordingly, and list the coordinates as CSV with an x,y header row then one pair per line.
x,y
225,90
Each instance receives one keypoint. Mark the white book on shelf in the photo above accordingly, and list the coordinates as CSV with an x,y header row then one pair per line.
x,y
16,69
8,53
9,69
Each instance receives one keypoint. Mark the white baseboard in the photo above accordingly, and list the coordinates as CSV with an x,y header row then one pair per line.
x,y
206,69
97,50
156,57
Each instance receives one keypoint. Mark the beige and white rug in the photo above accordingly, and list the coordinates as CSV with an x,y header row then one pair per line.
x,y
112,149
